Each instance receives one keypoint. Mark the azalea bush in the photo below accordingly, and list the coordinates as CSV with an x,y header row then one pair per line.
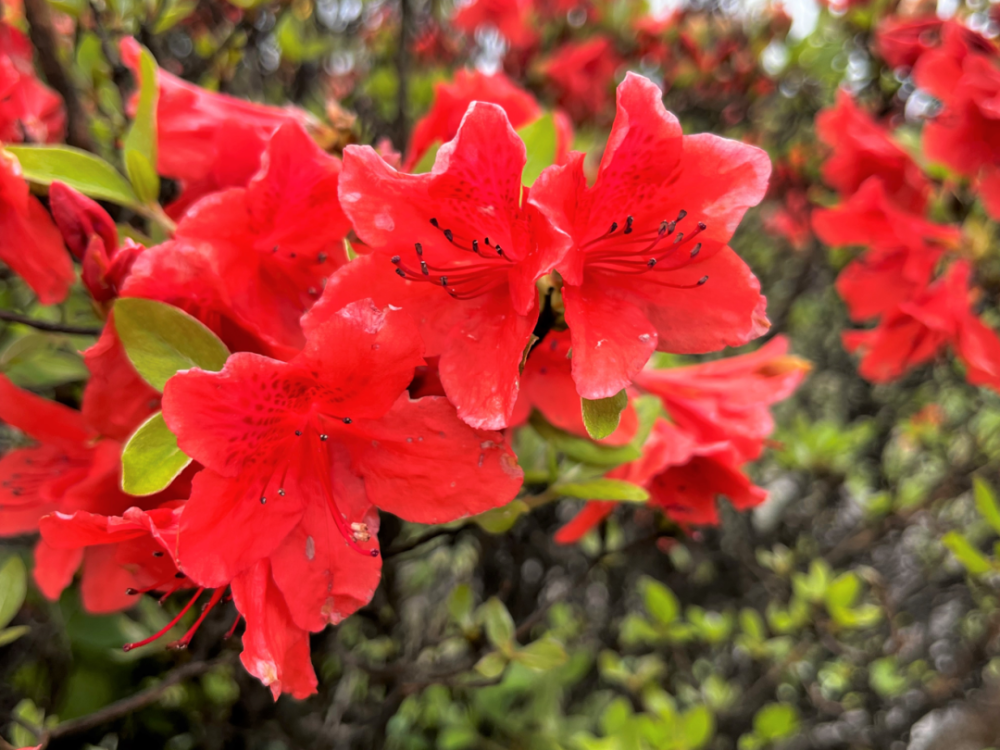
x,y
535,374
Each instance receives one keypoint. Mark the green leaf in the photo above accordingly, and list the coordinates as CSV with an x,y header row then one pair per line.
x,y
697,726
581,449
492,665
974,561
174,12
601,416
13,587
540,142
498,622
160,339
426,162
885,679
545,653
460,605
151,459
776,721
500,520
83,171
31,715
139,145
660,601
603,489
986,502
9,635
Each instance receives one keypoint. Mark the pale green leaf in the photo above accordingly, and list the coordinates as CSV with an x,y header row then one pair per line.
x,y
81,170
139,145
986,502
974,561
540,142
492,665
160,340
499,624
601,416
13,587
9,635
660,601
603,489
151,459
545,653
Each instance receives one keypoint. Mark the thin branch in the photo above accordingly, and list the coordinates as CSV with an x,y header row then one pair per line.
x,y
41,325
135,702
44,38
402,127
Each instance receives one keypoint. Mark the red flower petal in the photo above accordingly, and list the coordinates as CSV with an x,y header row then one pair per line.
x,y
275,649
55,568
426,466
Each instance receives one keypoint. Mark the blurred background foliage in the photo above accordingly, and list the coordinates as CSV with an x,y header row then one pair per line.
x,y
857,608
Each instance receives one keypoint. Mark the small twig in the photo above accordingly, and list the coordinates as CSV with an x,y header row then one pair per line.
x,y
135,702
41,325
43,37
402,73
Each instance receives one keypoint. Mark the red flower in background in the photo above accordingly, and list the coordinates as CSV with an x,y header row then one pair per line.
x,y
863,149
720,417
965,134
649,268
729,399
299,455
469,247
29,242
683,478
919,329
903,41
904,250
209,141
581,75
29,110
512,18
547,385
249,261
452,100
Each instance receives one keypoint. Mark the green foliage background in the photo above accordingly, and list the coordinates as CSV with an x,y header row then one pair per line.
x,y
861,599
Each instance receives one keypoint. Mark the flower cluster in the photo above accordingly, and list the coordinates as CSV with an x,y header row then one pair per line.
x,y
370,337
898,283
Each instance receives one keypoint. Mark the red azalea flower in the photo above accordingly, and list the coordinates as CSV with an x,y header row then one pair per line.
x,y
299,455
863,149
135,549
452,100
683,477
965,134
792,219
649,268
466,230
92,237
209,141
29,110
547,385
136,553
68,470
29,242
581,74
512,18
904,250
917,331
729,399
903,41
249,261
